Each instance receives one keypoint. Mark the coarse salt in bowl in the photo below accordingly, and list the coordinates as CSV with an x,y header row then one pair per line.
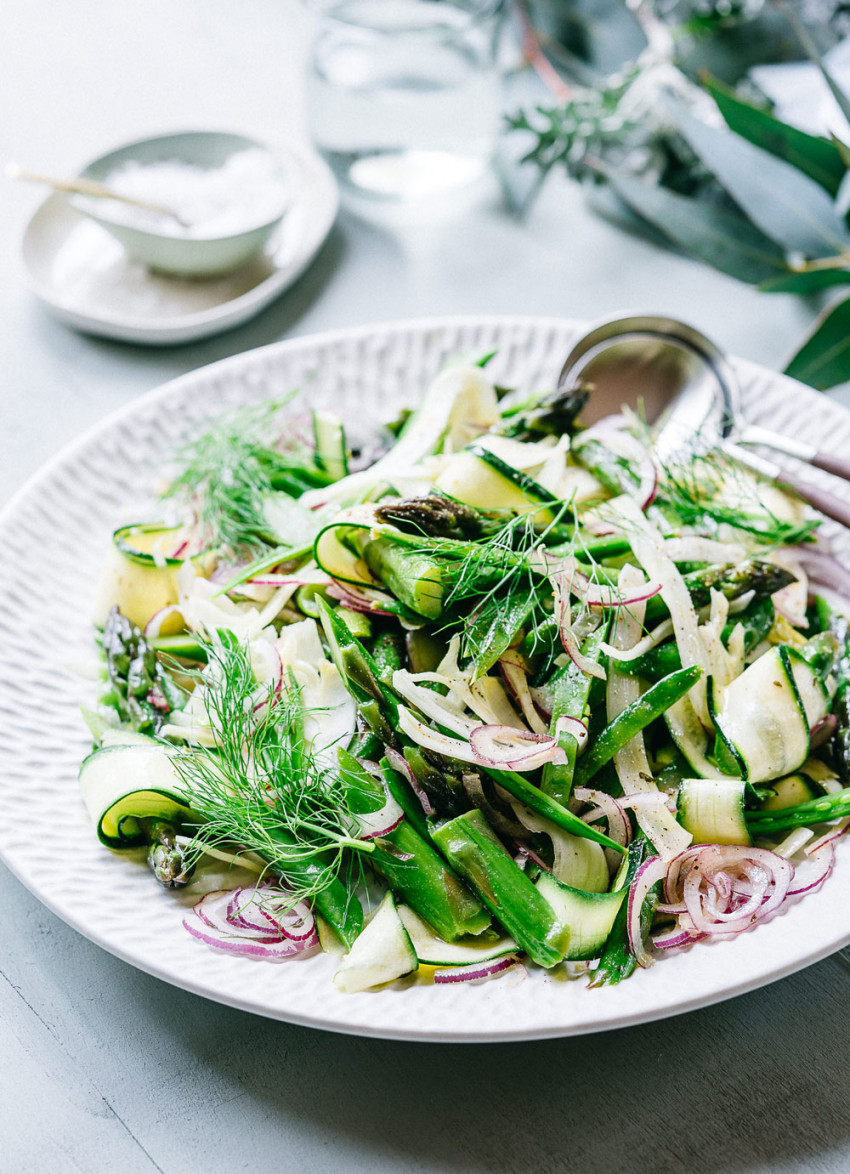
x,y
228,192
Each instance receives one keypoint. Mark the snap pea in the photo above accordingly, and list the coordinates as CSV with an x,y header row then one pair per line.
x,y
568,694
756,620
825,807
634,718
618,961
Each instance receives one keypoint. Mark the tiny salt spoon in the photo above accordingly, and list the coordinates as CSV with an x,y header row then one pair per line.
x,y
90,187
688,391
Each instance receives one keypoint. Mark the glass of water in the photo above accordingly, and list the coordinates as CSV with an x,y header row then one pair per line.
x,y
404,95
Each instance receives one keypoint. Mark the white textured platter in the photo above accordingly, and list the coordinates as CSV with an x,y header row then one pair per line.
x,y
52,537
85,278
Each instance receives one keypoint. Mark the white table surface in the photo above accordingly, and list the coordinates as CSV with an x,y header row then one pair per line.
x,y
103,1068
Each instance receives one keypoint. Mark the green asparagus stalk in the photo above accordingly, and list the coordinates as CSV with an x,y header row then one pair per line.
x,y
504,888
412,576
410,866
753,575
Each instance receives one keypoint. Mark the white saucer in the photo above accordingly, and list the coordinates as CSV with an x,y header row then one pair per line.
x,y
87,280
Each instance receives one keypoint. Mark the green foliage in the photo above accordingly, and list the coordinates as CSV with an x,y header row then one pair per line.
x,y
756,198
229,473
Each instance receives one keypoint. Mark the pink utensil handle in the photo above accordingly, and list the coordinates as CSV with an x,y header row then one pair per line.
x,y
830,463
822,500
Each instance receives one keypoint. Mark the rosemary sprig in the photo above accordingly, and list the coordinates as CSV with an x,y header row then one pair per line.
x,y
260,786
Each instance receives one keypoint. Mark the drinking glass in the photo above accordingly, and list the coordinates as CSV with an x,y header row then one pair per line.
x,y
403,95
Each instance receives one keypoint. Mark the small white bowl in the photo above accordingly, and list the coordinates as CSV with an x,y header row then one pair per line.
x,y
165,252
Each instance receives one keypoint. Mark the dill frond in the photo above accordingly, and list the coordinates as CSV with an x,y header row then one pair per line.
x,y
230,471
261,787
708,489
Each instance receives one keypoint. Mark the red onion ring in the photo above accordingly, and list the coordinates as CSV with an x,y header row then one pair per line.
x,y
649,874
478,971
399,763
823,730
507,747
246,929
619,824
363,599
824,858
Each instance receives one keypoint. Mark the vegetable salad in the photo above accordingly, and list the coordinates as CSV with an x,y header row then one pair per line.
x,y
483,690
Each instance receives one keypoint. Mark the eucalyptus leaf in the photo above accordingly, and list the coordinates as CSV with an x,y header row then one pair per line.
x,y
819,158
812,52
786,205
824,358
723,240
806,281
605,202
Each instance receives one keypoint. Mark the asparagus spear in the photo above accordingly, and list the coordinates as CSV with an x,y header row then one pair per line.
x,y
752,575
411,867
478,856
415,578
166,858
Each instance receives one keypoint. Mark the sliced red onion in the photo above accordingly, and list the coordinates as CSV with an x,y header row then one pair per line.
x,y
823,730
569,639
835,833
434,740
523,853
728,888
478,971
248,928
362,599
824,570
676,938
505,747
574,581
649,874
823,858
619,825
575,727
399,763
153,627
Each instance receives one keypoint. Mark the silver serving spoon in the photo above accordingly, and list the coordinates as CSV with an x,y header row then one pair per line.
x,y
688,391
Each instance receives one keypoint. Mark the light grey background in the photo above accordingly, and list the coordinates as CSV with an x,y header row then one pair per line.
x,y
103,1068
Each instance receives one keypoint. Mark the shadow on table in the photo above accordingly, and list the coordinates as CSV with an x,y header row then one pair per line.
x,y
749,1084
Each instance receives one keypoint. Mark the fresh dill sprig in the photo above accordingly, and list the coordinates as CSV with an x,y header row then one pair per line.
x,y
230,471
710,489
498,588
260,786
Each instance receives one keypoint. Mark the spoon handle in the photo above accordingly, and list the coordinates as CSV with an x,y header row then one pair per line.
x,y
821,499
830,463
827,503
